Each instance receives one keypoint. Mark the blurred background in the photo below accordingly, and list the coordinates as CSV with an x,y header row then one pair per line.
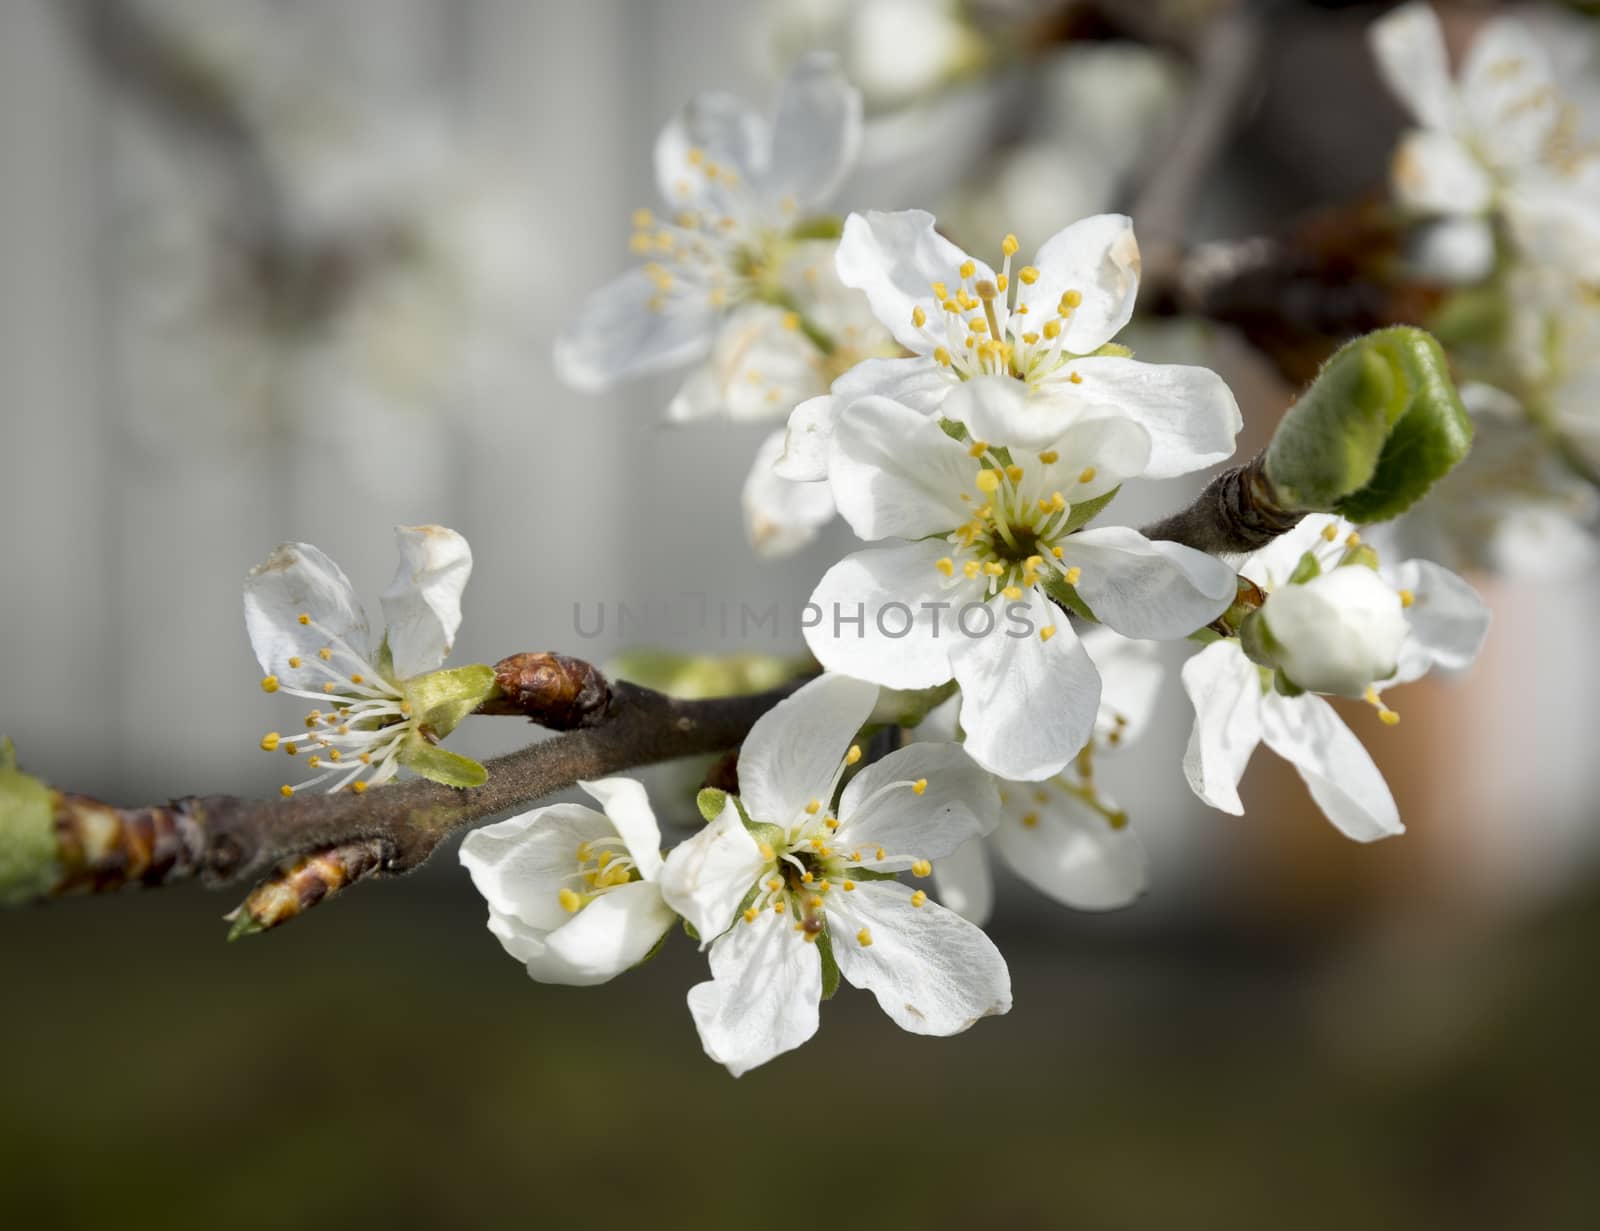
x,y
276,269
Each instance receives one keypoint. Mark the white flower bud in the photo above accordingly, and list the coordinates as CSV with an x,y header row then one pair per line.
x,y
1336,633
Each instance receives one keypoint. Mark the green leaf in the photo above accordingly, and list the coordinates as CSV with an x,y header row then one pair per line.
x,y
440,764
689,930
27,832
441,699
770,835
711,802
1058,590
830,968
1084,511
1380,424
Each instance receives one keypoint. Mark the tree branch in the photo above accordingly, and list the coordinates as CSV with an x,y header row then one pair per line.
x,y
1237,512
317,844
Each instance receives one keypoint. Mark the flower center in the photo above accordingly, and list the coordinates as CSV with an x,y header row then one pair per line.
x,y
998,327
603,864
359,740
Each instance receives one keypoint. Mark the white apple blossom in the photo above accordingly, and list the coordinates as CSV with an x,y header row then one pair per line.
x,y
806,877
311,637
1064,836
987,536
1498,139
1337,632
572,892
780,515
724,260
1012,355
1237,704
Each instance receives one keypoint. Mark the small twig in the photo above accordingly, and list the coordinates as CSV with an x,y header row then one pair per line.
x,y
1237,512
319,843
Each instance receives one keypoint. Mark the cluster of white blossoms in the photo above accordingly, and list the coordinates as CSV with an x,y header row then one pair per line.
x,y
1501,174
993,639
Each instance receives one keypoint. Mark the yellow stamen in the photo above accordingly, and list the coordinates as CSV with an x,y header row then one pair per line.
x,y
1047,632
1009,245
1014,473
988,481
854,755
1049,457
919,899
1072,575
922,868
1086,475
269,742
305,618
1407,598
864,938
978,448
269,683
286,790
945,565
569,901
917,788
814,807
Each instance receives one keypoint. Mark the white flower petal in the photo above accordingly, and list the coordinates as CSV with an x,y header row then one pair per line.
x,y
916,382
526,944
1028,705
611,934
763,997
895,473
759,369
1338,632
1225,689
794,750
1272,565
1070,853
297,579
816,133
1190,412
1347,786
1099,258
1455,251
1409,46
879,807
520,865
616,336
1508,94
713,128
807,439
780,515
931,971
706,877
1437,173
896,258
628,807
1130,682
1144,588
1556,221
963,883
1447,619
875,619
422,606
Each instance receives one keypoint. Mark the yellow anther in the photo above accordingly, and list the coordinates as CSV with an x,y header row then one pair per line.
x,y
1057,501
335,755
919,899
751,914
269,742
1352,539
994,568
1056,552
1001,282
970,568
1076,378
1012,592
1407,598
818,845
968,268
405,708
1049,457
585,852
325,654
305,618
1071,299
919,318
1030,338
365,758
1330,531
774,884
814,807
978,448
1028,274
315,762
291,749
1009,245
832,822
978,325
358,679
941,356
814,902
640,243
917,788
1014,473
854,755
1030,819
269,683
849,886
1072,575
294,663
570,902
328,687
697,156
864,938
359,787
791,321
778,907
988,481
1117,820
880,849
643,218
1388,717
922,868
286,790
946,565
767,853
1052,329
1047,632
941,291
1032,562
1086,475
1044,505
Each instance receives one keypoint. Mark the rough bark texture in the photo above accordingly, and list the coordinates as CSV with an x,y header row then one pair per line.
x,y
1237,512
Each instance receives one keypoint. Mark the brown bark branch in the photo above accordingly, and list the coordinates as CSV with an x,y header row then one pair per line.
x,y
1237,512
317,844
